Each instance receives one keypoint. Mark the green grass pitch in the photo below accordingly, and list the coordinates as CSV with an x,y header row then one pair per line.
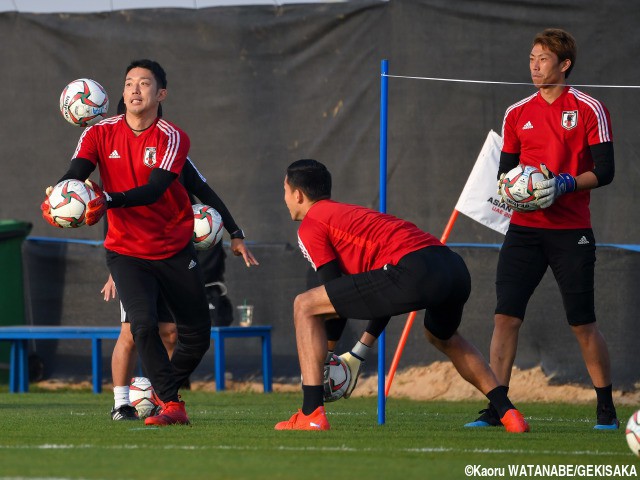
x,y
69,435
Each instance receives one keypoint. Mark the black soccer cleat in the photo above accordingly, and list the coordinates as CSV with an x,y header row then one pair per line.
x,y
606,418
124,412
488,418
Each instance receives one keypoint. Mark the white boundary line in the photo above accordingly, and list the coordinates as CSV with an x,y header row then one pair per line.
x,y
342,448
459,80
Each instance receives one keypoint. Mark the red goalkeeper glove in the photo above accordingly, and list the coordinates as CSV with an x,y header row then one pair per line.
x,y
46,211
97,207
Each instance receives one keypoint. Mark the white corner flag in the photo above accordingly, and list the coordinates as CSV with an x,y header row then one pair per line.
x,y
479,199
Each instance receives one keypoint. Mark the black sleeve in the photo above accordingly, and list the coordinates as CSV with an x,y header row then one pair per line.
x,y
159,181
329,271
79,169
376,326
196,185
604,166
335,326
507,162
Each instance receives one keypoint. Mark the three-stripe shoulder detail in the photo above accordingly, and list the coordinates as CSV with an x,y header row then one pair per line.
x,y
173,144
604,133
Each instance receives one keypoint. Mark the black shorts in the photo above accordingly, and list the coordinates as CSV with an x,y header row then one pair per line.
x,y
161,290
164,314
524,257
435,279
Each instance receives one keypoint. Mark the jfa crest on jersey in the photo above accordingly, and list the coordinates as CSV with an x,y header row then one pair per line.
x,y
154,231
150,157
569,119
563,134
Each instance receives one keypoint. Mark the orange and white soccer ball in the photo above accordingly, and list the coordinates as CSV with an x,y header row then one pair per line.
x,y
84,102
632,433
207,226
69,200
142,396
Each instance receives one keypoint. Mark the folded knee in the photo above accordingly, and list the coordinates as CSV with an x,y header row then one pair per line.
x,y
143,330
196,342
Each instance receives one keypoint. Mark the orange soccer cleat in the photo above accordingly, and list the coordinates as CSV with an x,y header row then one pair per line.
x,y
172,413
514,422
299,421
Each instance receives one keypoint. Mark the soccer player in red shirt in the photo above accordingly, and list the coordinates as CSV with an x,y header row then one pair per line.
x,y
148,244
382,266
558,129
124,352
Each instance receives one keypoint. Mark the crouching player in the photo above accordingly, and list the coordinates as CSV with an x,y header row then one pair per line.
x,y
387,267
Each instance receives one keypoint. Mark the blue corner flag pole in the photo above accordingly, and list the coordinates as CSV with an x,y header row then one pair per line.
x,y
384,90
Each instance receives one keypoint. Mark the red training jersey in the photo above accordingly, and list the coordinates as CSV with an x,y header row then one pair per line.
x,y
360,239
558,135
125,160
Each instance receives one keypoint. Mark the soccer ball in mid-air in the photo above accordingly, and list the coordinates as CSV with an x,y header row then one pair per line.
x,y
633,433
142,396
336,378
84,102
207,226
517,188
68,201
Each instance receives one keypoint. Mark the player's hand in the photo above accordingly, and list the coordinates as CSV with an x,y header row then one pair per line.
x,y
109,289
239,248
547,191
97,207
355,365
46,210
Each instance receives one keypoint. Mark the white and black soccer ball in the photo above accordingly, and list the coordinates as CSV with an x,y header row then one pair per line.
x,y
207,226
69,200
336,378
632,433
517,188
84,102
142,396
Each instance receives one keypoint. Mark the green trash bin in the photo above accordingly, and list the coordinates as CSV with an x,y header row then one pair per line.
x,y
12,234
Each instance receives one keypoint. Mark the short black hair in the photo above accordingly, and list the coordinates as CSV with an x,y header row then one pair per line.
x,y
154,67
311,177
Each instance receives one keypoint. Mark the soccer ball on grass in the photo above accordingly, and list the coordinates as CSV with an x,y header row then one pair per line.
x,y
84,102
336,378
517,188
207,226
632,433
68,201
142,396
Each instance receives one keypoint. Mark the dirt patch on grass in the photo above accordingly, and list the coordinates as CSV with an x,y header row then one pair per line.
x,y
440,381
